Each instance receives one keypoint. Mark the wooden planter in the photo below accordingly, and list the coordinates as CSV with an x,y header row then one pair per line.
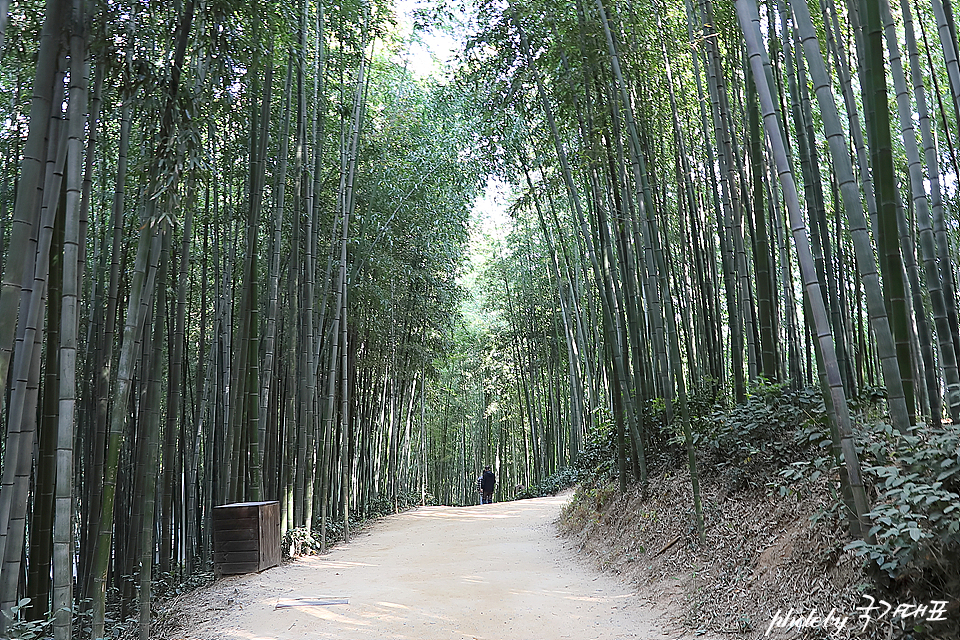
x,y
246,537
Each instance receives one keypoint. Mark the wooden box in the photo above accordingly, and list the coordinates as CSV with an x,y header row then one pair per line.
x,y
246,537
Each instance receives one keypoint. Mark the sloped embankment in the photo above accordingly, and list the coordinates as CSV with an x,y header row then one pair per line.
x,y
763,552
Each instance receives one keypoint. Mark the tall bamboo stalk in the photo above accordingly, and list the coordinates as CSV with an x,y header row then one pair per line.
x,y
63,534
852,207
750,23
874,90
27,206
21,433
927,240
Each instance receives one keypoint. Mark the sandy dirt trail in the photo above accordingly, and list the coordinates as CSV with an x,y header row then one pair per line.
x,y
491,572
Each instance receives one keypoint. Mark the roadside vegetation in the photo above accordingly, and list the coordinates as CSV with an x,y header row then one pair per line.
x,y
774,519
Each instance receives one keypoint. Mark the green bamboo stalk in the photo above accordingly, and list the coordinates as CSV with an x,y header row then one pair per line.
x,y
586,234
22,419
768,363
349,159
140,293
750,23
63,537
926,234
727,202
273,279
852,207
150,436
40,541
944,255
27,206
874,89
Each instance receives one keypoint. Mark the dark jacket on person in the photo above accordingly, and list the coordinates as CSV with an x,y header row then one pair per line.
x,y
487,481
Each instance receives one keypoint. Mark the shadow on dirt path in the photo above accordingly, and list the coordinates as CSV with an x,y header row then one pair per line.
x,y
491,572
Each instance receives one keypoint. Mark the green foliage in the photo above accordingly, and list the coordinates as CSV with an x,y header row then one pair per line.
x,y
382,506
802,473
172,584
916,513
765,390
552,485
769,430
704,396
595,464
25,629
597,457
914,483
298,542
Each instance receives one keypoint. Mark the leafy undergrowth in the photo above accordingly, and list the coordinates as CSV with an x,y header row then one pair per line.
x,y
776,536
552,485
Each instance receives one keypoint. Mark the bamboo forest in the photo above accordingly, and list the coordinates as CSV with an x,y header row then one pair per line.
x,y
245,258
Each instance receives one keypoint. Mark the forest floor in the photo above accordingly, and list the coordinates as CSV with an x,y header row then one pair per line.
x,y
491,572
764,555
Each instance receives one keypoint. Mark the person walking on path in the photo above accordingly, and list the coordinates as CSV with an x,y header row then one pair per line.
x,y
485,484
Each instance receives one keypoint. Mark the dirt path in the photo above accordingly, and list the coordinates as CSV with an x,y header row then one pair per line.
x,y
492,572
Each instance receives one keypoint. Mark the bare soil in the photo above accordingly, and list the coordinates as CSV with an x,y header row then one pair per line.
x,y
763,553
490,572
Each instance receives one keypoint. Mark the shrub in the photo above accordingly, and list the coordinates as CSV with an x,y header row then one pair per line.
x,y
552,485
297,542
769,430
25,629
597,455
916,511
